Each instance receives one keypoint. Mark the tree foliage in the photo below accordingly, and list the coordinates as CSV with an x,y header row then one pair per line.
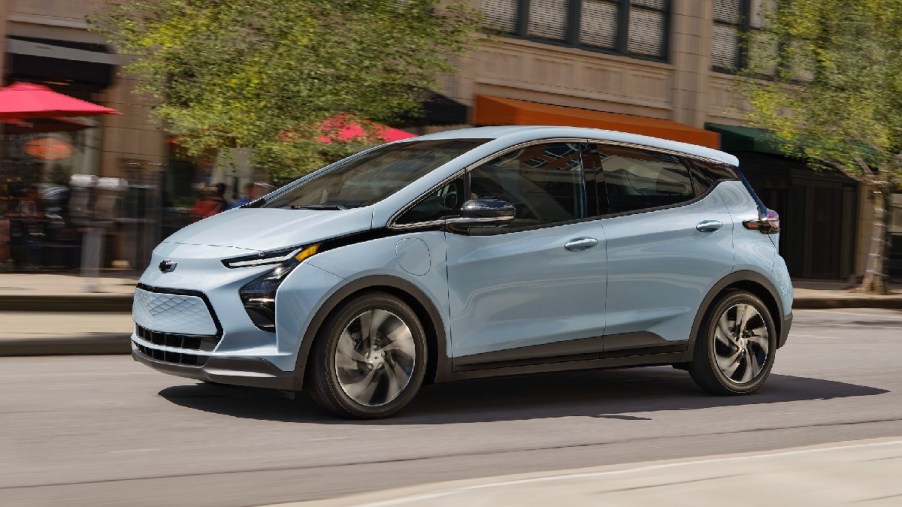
x,y
825,77
243,73
833,81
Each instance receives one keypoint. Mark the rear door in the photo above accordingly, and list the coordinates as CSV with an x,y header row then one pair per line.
x,y
668,239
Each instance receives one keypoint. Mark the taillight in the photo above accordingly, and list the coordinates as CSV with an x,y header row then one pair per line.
x,y
767,224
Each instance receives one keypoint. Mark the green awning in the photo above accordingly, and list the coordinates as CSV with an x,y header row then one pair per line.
x,y
734,138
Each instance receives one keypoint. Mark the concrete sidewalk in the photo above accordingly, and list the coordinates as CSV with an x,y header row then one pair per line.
x,y
833,474
40,292
64,333
50,314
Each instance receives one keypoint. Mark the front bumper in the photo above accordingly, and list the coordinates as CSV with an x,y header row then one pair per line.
x,y
178,331
241,371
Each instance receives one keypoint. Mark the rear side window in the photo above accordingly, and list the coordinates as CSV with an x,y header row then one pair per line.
x,y
637,179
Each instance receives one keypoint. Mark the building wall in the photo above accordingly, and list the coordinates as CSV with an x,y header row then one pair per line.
x,y
3,15
131,145
684,88
62,13
131,136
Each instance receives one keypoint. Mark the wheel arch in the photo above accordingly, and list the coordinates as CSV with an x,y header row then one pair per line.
x,y
750,281
437,365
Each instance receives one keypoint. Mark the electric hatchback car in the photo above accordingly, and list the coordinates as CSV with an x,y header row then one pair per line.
x,y
475,253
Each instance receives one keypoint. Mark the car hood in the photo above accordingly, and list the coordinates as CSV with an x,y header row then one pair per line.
x,y
262,229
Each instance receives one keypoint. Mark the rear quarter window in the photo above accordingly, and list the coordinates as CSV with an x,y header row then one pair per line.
x,y
705,175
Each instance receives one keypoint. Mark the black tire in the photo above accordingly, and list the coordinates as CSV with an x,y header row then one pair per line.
x,y
712,366
330,377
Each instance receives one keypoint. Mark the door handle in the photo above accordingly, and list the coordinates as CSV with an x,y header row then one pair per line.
x,y
709,225
575,245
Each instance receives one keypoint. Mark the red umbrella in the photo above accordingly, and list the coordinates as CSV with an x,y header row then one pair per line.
x,y
343,127
26,100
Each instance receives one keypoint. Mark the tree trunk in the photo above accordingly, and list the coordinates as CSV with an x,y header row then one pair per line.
x,y
875,275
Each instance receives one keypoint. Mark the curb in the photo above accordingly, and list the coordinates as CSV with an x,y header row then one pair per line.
x,y
119,303
887,302
95,344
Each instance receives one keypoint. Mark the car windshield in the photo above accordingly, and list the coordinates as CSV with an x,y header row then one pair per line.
x,y
369,178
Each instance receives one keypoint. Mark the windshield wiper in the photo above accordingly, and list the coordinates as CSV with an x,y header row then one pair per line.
x,y
319,206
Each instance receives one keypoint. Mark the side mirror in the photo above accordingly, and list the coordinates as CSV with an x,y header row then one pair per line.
x,y
484,212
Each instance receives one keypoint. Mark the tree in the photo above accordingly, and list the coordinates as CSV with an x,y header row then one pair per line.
x,y
826,79
266,74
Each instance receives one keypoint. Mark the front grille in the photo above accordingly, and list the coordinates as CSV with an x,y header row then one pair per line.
x,y
205,343
174,311
165,356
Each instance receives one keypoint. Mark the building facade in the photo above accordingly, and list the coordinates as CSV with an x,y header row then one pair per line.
x,y
663,68
48,42
657,67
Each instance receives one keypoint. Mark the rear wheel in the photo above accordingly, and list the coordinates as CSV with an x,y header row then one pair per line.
x,y
369,359
734,350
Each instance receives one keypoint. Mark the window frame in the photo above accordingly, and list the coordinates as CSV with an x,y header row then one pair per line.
x,y
431,224
592,175
574,19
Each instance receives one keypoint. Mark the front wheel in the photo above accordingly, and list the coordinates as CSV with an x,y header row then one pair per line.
x,y
734,350
369,359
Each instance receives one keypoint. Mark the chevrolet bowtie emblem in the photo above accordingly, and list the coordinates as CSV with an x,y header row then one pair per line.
x,y
167,266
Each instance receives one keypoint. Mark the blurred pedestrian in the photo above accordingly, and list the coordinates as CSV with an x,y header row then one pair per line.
x,y
250,195
31,204
208,203
220,195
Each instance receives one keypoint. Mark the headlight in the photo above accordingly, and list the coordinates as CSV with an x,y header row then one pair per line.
x,y
259,296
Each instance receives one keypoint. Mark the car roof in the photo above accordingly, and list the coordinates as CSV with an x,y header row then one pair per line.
x,y
513,134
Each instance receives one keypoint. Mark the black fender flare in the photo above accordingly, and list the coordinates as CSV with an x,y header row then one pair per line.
x,y
775,305
424,307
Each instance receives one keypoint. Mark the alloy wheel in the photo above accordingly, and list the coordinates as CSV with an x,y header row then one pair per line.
x,y
375,357
741,343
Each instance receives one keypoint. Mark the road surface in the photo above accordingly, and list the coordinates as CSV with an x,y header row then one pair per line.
x,y
104,430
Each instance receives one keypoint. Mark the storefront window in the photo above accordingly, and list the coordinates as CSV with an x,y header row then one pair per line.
x,y
36,227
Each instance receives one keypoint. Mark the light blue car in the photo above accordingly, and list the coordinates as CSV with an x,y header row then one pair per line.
x,y
475,253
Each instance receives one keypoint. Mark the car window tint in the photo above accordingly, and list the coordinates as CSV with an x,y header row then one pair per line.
x,y
442,203
544,183
638,179
705,175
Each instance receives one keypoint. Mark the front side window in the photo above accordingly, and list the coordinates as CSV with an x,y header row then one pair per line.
x,y
443,203
544,182
637,179
367,179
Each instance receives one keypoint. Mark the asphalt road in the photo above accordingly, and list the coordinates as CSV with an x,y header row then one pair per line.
x,y
103,430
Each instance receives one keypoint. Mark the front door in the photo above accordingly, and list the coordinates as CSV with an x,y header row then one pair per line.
x,y
530,289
